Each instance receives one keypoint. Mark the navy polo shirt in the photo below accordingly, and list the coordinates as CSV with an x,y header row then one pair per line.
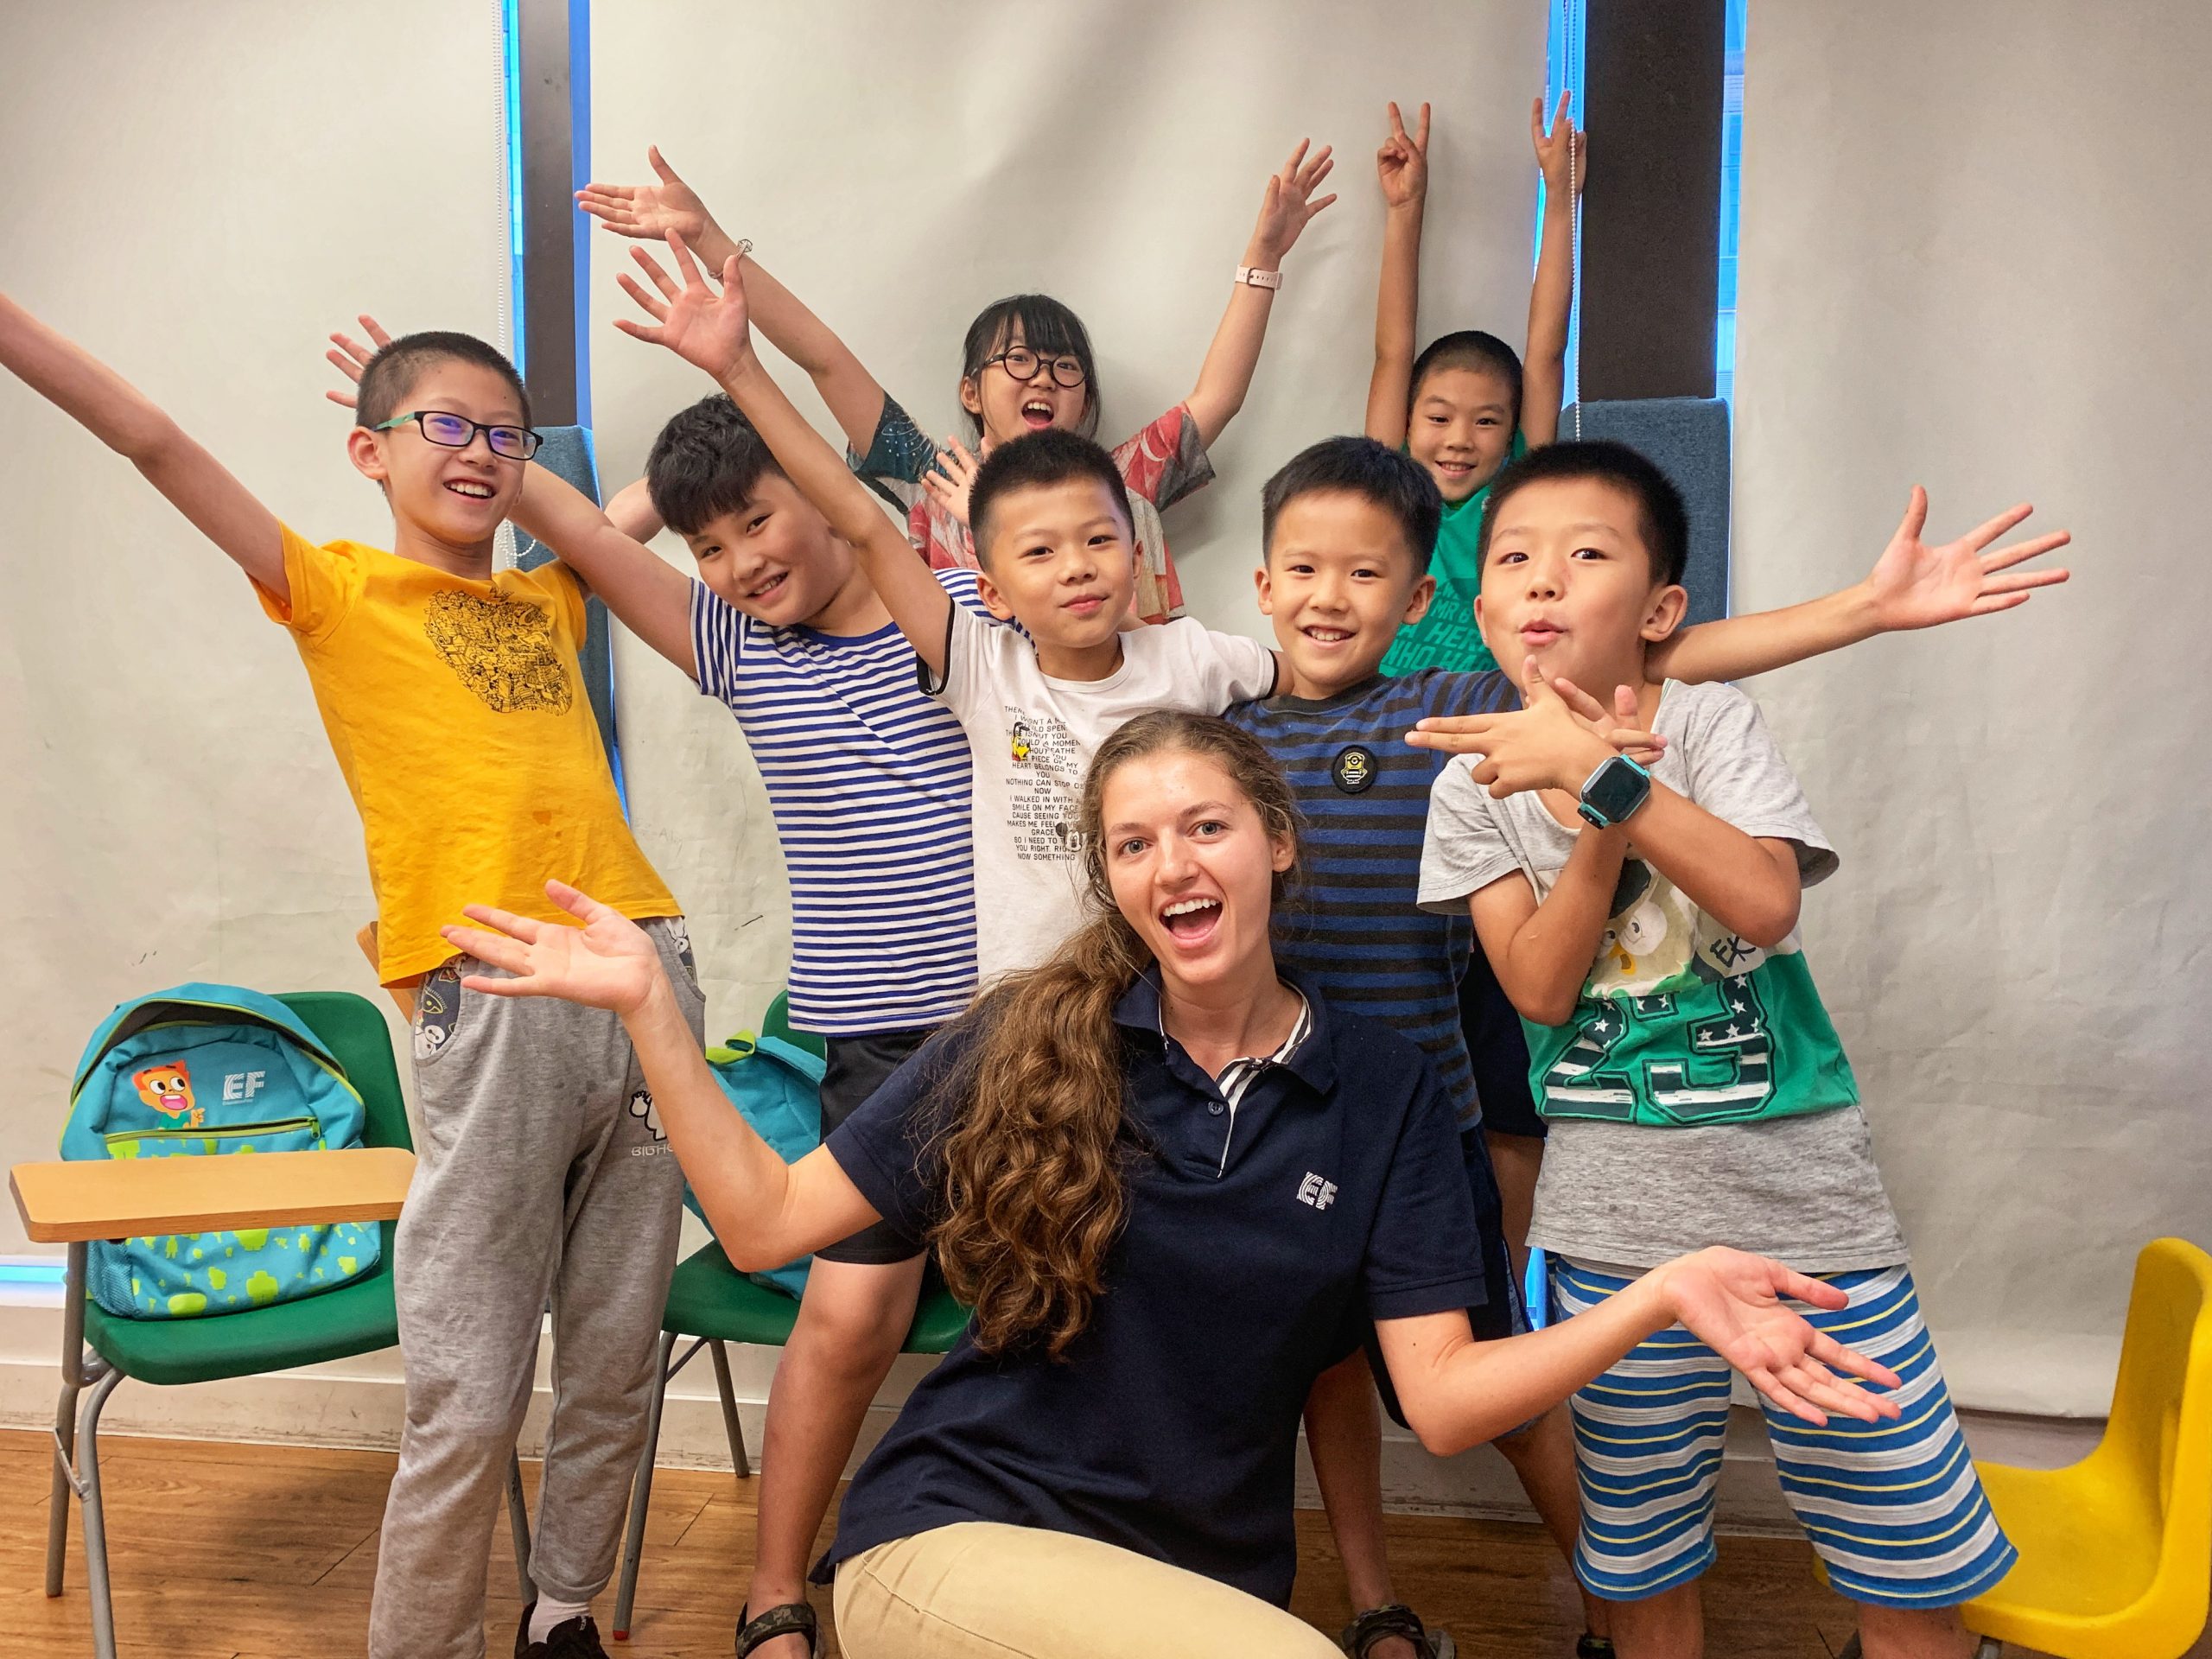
x,y
1259,1239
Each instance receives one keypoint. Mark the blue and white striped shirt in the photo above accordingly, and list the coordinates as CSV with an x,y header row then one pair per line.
x,y
869,780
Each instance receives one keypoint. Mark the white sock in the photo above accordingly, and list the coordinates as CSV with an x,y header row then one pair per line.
x,y
548,1613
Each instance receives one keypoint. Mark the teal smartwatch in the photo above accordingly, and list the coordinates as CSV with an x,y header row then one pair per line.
x,y
1613,792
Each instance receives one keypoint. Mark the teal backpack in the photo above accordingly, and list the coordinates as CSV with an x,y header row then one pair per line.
x,y
200,1070
777,1088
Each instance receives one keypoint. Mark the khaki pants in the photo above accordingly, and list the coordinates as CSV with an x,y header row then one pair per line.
x,y
981,1590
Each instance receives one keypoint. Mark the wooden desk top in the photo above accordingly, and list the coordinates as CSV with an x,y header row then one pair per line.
x,y
65,1203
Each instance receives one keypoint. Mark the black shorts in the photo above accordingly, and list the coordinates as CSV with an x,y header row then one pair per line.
x,y
1500,1051
1501,1312
856,1068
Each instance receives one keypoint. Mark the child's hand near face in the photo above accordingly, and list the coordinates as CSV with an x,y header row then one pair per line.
x,y
1402,165
351,357
1561,153
706,329
1559,736
951,480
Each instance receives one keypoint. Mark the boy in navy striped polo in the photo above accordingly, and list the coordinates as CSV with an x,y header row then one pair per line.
x,y
868,782
1347,526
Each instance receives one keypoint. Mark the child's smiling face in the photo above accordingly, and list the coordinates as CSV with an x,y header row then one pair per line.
x,y
457,497
1007,407
773,557
1461,428
1339,582
1060,559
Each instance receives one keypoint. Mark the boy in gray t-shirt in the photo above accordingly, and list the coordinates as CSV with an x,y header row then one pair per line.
x,y
1644,923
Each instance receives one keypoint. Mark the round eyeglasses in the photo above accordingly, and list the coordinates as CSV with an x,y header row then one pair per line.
x,y
450,431
1021,364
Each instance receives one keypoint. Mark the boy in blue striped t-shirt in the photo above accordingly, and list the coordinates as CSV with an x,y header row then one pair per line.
x,y
1347,525
869,780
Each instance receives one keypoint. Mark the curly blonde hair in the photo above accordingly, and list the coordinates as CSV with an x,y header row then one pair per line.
x,y
1037,1139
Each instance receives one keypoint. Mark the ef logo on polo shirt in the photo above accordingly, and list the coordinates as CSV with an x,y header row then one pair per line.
x,y
1316,1192
1353,770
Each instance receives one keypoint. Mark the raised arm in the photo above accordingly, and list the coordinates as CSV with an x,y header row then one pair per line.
x,y
1401,169
764,1212
1911,586
1226,375
708,331
1562,154
650,212
1458,1392
126,421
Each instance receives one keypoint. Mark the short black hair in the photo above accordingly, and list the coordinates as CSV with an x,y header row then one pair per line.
x,y
392,372
1663,522
708,460
1470,348
1041,458
1047,327
1375,473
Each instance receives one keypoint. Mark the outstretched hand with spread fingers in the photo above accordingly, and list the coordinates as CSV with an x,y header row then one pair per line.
x,y
1915,586
1735,1303
351,357
706,329
1287,205
608,962
952,479
649,212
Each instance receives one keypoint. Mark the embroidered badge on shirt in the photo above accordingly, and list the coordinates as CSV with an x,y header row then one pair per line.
x,y
1353,770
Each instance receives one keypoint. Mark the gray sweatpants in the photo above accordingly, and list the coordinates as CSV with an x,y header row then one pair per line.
x,y
542,1171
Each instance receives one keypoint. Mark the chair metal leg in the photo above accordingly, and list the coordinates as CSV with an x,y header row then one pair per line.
x,y
1991,1648
65,1418
641,1492
518,1523
88,1437
739,1463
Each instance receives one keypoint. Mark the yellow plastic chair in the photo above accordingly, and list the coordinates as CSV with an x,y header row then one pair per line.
x,y
2116,1550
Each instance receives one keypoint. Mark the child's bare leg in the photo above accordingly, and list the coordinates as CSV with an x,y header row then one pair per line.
x,y
1912,1633
1344,1431
1543,1455
1516,1159
852,1322
1670,1625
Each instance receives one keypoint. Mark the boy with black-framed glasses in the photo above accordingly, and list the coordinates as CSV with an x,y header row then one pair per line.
x,y
453,700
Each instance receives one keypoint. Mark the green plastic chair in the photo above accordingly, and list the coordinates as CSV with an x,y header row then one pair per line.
x,y
99,1350
713,1303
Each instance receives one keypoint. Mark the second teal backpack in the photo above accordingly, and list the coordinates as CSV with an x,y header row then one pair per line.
x,y
777,1088
205,1070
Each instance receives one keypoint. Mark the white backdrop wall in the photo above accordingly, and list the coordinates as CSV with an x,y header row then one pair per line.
x,y
900,169
1973,240
197,194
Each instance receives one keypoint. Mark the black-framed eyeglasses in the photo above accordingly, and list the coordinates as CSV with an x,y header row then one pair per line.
x,y
450,431
1022,363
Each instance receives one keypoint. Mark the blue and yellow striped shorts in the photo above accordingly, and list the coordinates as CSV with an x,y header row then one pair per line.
x,y
1894,1508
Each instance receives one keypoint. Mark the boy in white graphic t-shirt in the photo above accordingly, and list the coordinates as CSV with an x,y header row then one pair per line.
x,y
1053,532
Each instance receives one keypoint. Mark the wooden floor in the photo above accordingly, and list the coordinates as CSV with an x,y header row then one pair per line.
x,y
224,1551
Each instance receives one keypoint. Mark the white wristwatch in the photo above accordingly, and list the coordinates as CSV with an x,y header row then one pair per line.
x,y
1259,278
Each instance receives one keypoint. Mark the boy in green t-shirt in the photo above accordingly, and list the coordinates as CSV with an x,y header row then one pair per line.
x,y
1645,926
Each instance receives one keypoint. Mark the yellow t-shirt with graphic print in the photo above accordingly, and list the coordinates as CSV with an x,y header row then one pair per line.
x,y
457,712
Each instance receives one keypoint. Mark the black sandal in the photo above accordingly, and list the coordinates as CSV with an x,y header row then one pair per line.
x,y
1395,1619
792,1619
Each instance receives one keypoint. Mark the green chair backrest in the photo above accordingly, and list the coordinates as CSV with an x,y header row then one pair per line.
x,y
777,1022
355,1029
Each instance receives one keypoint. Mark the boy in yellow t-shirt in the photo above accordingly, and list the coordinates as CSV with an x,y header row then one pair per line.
x,y
455,703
